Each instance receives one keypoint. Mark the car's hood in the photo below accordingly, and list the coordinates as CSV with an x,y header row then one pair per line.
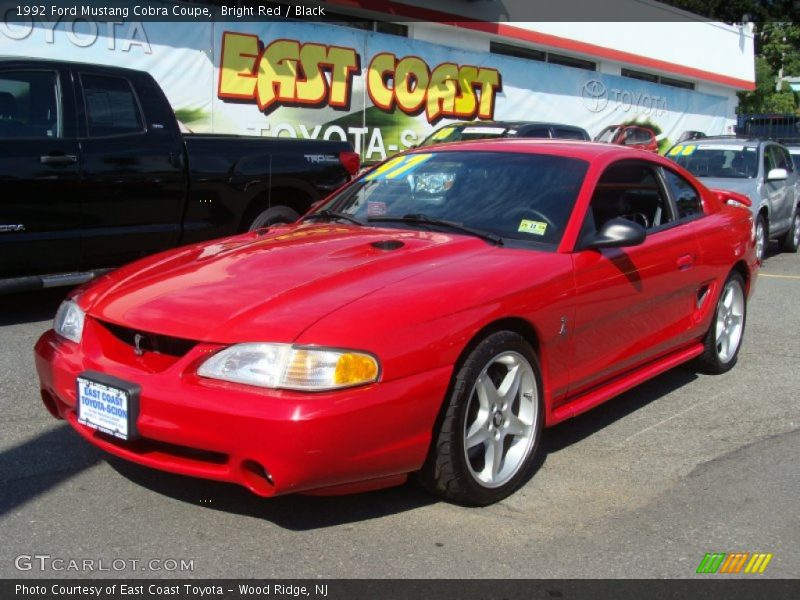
x,y
243,288
748,187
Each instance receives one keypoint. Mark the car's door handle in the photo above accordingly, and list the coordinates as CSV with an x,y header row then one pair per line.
x,y
685,262
58,159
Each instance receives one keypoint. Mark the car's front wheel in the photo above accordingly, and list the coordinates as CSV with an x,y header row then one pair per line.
x,y
490,428
791,242
724,338
761,237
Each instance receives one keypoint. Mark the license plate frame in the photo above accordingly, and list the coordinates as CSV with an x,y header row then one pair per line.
x,y
99,400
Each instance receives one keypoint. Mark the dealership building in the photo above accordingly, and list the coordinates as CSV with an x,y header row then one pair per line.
x,y
384,73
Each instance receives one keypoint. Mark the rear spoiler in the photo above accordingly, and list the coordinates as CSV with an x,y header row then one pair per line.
x,y
732,198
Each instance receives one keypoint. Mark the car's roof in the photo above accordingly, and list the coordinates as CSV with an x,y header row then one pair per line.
x,y
51,62
725,141
509,124
576,148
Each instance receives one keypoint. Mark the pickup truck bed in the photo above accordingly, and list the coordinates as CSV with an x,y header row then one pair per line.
x,y
94,172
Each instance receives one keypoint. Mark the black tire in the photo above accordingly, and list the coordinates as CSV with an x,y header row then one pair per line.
x,y
713,361
271,216
791,241
448,471
761,223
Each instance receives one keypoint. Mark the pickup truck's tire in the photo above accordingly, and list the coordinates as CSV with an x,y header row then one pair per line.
x,y
270,216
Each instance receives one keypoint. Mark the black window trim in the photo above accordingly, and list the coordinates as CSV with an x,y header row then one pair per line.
x,y
662,171
142,120
59,104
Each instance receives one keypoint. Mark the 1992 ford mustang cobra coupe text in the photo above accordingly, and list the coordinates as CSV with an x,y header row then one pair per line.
x,y
432,317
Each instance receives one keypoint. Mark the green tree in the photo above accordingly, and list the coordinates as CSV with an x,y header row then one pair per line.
x,y
777,46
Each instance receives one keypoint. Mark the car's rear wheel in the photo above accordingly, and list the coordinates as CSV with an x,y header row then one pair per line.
x,y
761,237
485,444
724,338
791,242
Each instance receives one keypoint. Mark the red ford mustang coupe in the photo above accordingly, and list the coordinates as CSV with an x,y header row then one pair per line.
x,y
432,317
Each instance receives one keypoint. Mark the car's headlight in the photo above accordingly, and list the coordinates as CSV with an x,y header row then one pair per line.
x,y
291,367
69,321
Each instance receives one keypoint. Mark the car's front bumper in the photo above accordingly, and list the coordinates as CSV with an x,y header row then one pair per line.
x,y
271,441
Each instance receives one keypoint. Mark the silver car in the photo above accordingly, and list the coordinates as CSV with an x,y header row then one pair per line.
x,y
761,170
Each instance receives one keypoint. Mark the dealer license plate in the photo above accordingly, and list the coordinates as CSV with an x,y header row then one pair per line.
x,y
107,407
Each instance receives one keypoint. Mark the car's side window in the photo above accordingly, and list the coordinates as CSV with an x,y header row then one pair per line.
x,y
630,191
769,160
29,105
780,158
539,132
640,136
787,159
687,200
111,106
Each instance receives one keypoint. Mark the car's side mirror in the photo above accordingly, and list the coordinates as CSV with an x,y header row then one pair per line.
x,y
777,175
616,233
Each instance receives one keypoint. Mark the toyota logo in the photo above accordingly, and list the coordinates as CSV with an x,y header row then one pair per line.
x,y
595,95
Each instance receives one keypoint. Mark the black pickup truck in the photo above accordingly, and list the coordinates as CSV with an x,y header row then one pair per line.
x,y
94,172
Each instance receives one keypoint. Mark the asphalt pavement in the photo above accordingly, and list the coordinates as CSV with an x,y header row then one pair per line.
x,y
640,487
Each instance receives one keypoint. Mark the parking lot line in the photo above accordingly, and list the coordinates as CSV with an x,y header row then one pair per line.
x,y
779,276
671,417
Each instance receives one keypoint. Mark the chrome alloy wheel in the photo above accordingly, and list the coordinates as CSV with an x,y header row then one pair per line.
x,y
760,241
499,429
730,320
796,229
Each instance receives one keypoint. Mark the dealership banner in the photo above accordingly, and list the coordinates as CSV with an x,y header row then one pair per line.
x,y
383,93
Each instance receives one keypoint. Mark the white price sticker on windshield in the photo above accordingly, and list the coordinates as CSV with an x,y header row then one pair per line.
x,y
534,227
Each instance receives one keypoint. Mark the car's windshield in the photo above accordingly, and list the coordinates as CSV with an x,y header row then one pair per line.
x,y
727,161
607,135
512,195
453,133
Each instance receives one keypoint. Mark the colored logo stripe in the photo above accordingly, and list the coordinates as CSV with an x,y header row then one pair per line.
x,y
711,562
758,564
732,563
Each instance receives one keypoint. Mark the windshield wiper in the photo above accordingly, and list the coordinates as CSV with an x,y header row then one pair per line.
x,y
422,219
332,214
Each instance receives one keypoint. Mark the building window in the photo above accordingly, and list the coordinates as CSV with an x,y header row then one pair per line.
x,y
687,85
344,20
516,51
653,78
540,55
640,75
571,61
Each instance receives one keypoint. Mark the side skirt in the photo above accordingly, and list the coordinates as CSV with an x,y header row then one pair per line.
x,y
621,384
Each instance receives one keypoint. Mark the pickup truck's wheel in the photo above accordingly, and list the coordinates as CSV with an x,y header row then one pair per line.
x,y
491,425
791,242
271,216
761,237
724,336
